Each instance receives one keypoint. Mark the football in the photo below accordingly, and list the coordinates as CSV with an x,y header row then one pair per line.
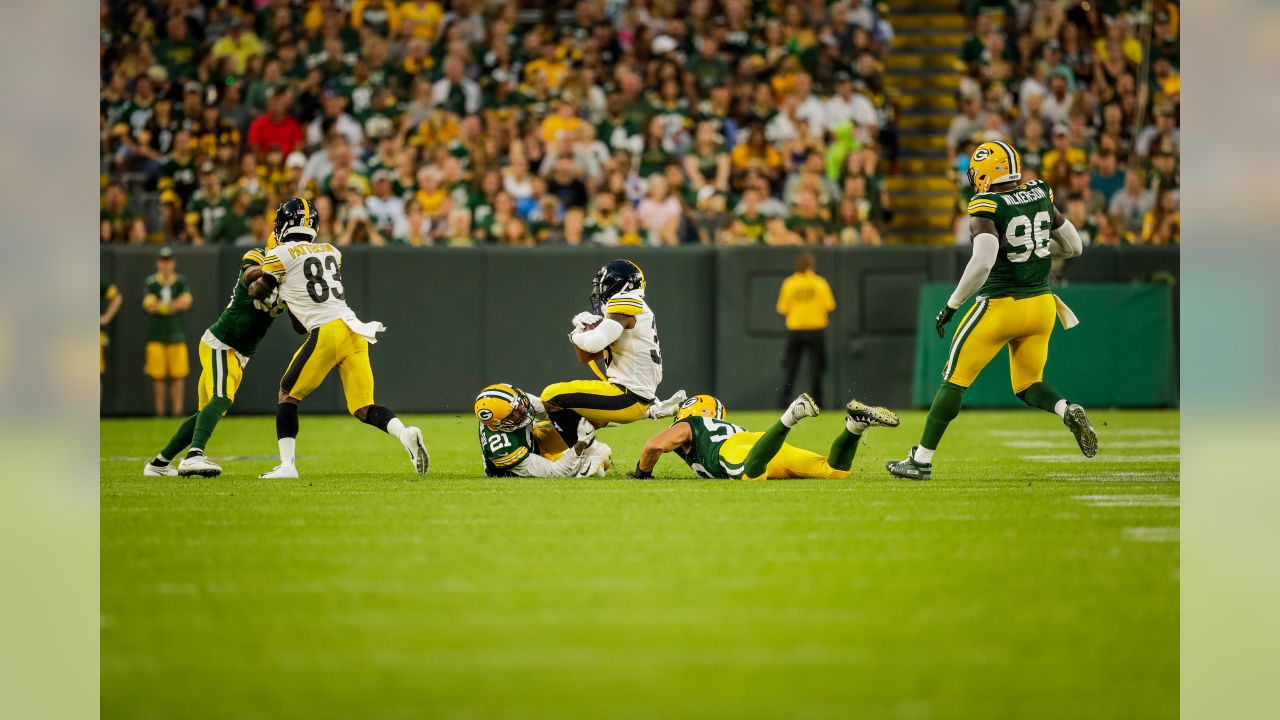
x,y
585,357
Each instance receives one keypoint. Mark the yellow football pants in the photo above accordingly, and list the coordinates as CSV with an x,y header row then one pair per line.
x,y
167,361
548,442
596,400
326,347
790,463
1024,325
220,374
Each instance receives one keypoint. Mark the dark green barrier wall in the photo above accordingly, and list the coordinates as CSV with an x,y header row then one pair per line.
x,y
1121,353
458,319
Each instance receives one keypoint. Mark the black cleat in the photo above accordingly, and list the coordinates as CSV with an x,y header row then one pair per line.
x,y
1077,421
909,469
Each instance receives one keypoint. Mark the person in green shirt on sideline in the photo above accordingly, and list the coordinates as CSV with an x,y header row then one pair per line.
x,y
166,299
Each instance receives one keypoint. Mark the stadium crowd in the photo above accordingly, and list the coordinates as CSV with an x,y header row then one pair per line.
x,y
604,121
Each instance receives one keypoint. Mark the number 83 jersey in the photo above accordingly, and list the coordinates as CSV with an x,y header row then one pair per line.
x,y
310,277
1023,219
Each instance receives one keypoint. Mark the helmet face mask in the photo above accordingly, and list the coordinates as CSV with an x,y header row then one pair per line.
x,y
503,407
700,406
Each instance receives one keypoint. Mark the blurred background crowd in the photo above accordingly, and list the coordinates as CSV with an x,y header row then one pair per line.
x,y
629,122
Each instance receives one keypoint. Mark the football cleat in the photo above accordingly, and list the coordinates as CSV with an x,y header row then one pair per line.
x,y
198,465
667,408
871,415
801,408
909,469
411,438
1077,421
150,470
288,471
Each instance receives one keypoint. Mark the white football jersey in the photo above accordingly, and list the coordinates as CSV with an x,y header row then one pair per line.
x,y
310,276
635,358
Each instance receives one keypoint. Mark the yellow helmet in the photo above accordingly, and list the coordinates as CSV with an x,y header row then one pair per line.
x,y
992,163
701,405
272,242
503,407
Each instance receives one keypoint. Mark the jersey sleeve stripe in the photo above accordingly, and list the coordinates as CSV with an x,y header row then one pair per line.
x,y
622,301
273,266
623,309
511,458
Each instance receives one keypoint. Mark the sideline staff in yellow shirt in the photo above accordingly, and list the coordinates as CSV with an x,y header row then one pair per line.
x,y
805,301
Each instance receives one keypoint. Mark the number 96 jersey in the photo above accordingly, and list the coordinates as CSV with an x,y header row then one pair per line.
x,y
310,277
1023,219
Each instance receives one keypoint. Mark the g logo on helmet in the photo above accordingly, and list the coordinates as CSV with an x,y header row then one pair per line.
x,y
981,154
485,414
690,402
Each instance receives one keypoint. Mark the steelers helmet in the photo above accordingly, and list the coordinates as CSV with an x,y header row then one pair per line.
x,y
615,277
992,163
503,407
295,216
701,405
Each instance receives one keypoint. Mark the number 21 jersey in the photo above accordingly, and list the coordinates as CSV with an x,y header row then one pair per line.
x,y
310,276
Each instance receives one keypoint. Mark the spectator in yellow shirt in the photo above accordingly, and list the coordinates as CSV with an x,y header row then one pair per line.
x,y
805,300
564,122
424,17
238,44
550,64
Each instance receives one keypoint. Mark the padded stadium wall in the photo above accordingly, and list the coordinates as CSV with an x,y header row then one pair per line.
x,y
459,319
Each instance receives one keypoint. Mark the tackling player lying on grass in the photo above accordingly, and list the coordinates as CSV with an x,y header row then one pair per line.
x,y
1017,234
717,449
514,443
224,352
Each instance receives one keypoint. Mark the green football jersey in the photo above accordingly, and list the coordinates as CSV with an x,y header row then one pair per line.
x,y
703,455
504,450
166,328
245,321
209,210
1023,219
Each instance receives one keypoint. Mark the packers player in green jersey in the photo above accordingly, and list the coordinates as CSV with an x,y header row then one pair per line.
x,y
1017,233
716,449
225,349
515,443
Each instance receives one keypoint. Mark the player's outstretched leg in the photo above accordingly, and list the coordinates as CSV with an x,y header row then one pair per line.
x,y
918,464
195,463
409,436
858,417
286,438
159,465
1042,395
667,408
757,462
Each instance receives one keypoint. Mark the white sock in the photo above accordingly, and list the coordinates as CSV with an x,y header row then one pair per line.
x,y
1060,407
922,455
856,428
287,450
395,427
787,419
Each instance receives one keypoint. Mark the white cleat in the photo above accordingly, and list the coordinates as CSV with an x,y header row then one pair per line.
x,y
150,470
198,465
801,408
281,472
411,438
667,408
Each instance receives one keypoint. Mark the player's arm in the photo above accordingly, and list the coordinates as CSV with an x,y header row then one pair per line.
x,y
603,335
272,275
985,248
676,436
113,306
150,303
1064,240
182,303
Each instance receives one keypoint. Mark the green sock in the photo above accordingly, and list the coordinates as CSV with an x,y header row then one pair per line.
x,y
206,420
945,408
1041,395
765,448
180,439
843,450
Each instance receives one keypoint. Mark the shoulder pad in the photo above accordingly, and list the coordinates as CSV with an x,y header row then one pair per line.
x,y
625,303
254,257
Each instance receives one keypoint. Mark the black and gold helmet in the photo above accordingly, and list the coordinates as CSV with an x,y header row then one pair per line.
x,y
296,216
503,407
615,277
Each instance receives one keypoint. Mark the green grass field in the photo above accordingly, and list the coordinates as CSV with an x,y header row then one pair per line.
x,y
1022,582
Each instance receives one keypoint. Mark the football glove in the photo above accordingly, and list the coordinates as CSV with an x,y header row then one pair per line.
x,y
944,316
586,434
583,319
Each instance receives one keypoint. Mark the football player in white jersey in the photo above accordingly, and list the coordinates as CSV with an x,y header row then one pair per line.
x,y
620,340
309,275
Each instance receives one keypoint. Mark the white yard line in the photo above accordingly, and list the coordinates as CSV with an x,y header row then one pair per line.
x,y
1151,534
1128,500
1104,458
1102,430
1116,477
1108,444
